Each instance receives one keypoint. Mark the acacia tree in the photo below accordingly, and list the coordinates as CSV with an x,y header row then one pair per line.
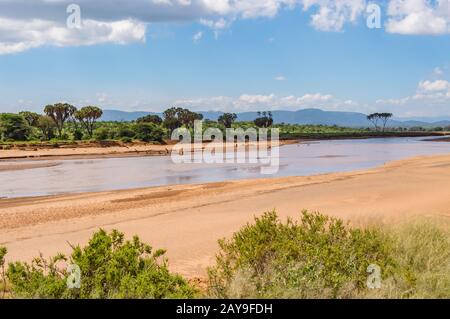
x,y
60,113
227,119
374,118
177,116
385,117
87,116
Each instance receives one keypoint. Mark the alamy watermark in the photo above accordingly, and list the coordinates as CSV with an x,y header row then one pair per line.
x,y
239,146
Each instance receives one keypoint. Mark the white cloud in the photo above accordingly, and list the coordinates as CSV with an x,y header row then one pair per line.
x,y
432,98
280,78
434,86
333,15
438,72
20,35
26,24
197,37
414,17
253,102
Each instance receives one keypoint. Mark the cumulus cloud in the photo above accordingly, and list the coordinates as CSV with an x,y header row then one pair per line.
x,y
414,17
332,15
253,102
20,35
27,24
432,98
434,86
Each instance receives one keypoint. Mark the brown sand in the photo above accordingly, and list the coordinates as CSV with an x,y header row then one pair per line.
x,y
188,220
86,152
18,166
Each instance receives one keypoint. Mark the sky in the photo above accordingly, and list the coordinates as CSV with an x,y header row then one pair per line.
x,y
227,55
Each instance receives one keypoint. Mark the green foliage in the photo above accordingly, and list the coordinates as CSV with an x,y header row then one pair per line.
x,y
155,119
60,113
321,257
47,127
177,117
149,132
13,127
110,268
87,116
102,134
317,257
227,119
31,117
77,135
264,120
3,252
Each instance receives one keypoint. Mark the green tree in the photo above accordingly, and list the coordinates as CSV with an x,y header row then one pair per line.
x,y
385,117
31,117
47,127
176,117
60,113
227,119
14,127
264,119
374,118
87,116
152,118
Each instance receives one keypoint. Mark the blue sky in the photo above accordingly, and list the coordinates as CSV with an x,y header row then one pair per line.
x,y
250,57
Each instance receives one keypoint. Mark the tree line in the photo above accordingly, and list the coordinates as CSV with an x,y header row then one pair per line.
x,y
61,119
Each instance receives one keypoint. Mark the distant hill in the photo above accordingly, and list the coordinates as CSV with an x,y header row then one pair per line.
x,y
306,116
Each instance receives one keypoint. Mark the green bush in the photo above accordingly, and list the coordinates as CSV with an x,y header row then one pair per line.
x,y
102,134
3,252
110,268
321,257
125,132
149,132
14,127
317,257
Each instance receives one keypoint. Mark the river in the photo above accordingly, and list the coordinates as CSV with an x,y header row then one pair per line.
x,y
92,175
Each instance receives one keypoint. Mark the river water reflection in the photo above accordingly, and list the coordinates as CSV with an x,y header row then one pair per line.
x,y
75,176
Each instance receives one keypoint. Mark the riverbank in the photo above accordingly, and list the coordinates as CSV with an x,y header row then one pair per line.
x,y
94,151
115,149
188,220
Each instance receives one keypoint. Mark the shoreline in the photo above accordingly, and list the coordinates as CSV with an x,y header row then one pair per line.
x,y
187,220
77,153
113,149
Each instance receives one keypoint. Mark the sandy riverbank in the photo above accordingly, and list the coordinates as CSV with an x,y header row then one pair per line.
x,y
83,151
188,220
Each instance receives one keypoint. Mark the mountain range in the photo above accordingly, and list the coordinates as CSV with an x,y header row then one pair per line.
x,y
306,116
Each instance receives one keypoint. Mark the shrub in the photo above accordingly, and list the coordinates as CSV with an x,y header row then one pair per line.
x,y
110,268
149,132
78,135
101,134
125,132
3,252
14,127
318,257
321,257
